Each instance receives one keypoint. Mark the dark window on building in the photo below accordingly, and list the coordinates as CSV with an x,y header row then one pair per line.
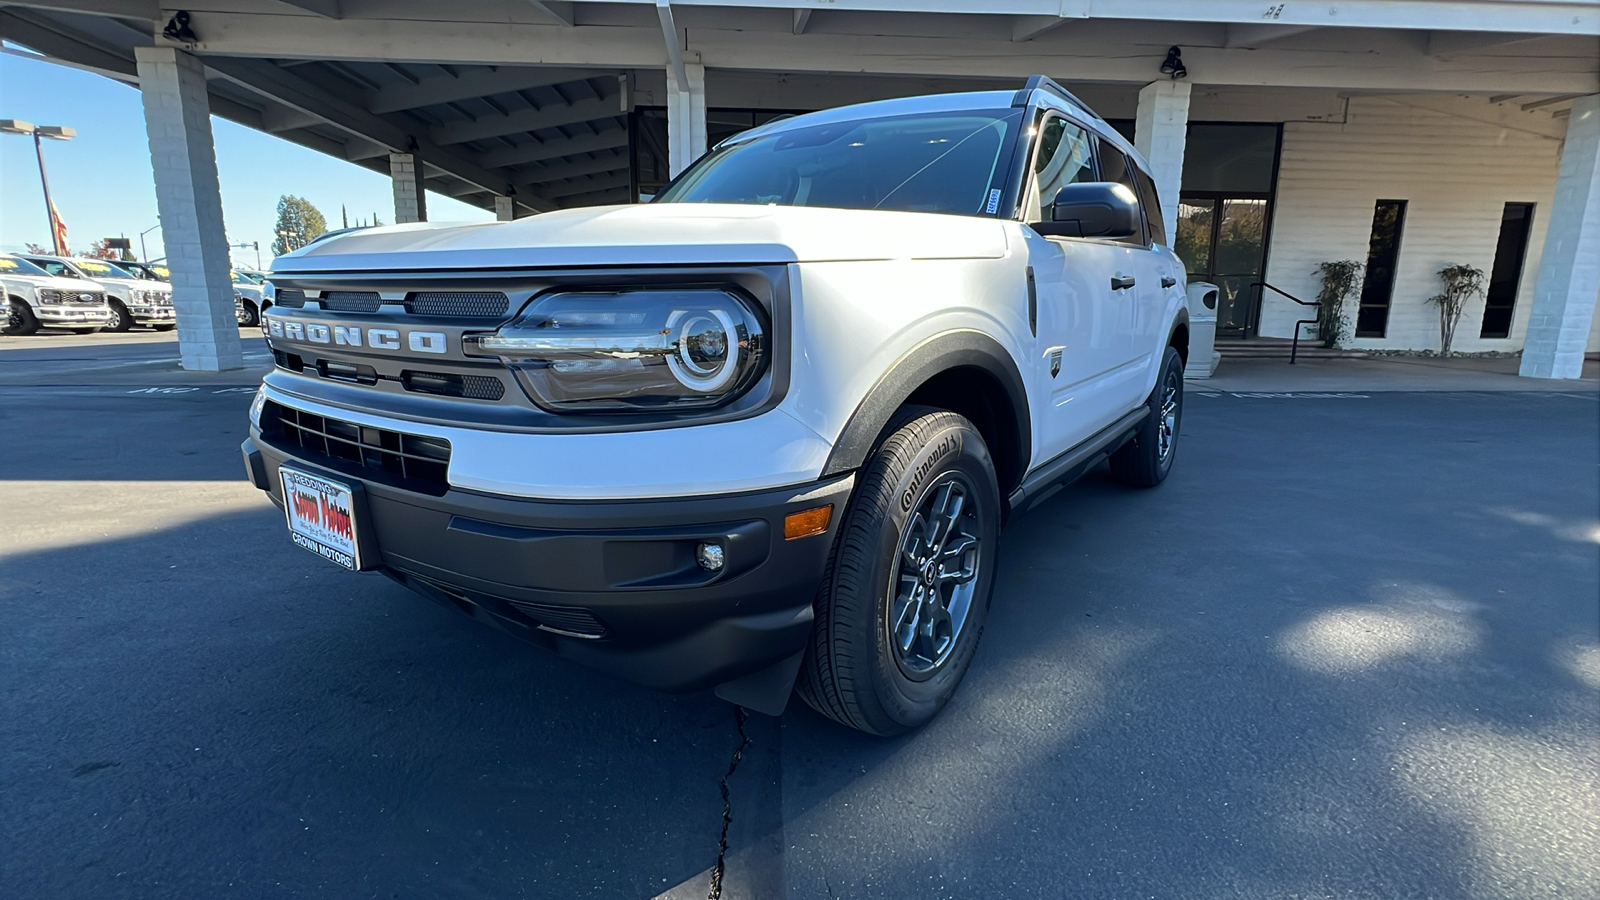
x,y
1383,253
1114,166
1516,222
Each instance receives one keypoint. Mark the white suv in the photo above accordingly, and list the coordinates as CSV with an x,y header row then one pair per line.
x,y
765,428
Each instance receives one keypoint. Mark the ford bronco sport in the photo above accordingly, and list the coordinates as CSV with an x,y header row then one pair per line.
x,y
760,432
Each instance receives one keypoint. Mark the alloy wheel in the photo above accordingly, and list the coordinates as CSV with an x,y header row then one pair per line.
x,y
1167,426
936,578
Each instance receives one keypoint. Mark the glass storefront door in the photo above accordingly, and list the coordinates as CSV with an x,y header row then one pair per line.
x,y
1223,239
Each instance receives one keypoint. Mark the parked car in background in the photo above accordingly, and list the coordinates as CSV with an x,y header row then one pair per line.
x,y
35,298
133,298
248,297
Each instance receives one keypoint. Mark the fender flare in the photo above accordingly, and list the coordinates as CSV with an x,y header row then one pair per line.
x,y
940,353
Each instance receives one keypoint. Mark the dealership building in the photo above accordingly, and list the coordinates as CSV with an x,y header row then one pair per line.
x,y
1406,135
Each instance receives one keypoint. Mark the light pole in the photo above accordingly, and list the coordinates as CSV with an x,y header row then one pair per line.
x,y
55,133
143,255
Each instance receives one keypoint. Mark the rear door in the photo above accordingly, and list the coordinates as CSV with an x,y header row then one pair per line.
x,y
1076,316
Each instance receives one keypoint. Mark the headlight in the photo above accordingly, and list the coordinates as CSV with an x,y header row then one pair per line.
x,y
49,296
633,351
256,404
139,296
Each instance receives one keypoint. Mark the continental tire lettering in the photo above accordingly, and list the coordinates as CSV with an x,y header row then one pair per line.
x,y
950,442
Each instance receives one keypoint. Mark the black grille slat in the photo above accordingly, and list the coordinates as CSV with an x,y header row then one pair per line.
x,y
352,301
562,618
291,299
465,304
447,384
421,461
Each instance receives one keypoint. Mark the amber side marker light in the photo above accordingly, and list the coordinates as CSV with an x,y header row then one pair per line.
x,y
807,522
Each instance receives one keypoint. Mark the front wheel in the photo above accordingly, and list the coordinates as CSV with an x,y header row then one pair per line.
x,y
118,319
907,591
1146,460
249,316
20,319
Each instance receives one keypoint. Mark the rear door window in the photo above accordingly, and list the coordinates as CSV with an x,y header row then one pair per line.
x,y
1151,203
1115,166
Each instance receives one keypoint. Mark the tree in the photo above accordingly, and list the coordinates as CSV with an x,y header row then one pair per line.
x,y
37,250
299,223
99,250
1338,283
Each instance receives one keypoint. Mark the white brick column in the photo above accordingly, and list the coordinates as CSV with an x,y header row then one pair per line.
x,y
1160,129
1569,266
505,209
177,120
410,199
686,117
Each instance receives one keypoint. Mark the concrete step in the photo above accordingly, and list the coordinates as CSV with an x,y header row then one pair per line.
x,y
1278,348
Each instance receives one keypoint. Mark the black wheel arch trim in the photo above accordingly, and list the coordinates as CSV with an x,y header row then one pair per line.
x,y
940,353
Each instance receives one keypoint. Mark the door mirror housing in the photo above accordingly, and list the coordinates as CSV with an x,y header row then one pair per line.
x,y
1102,209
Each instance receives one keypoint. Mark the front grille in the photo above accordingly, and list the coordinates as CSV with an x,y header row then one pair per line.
x,y
445,384
565,619
352,301
291,299
479,305
407,460
50,295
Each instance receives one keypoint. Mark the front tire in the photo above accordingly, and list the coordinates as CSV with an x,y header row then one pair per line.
x,y
907,591
251,317
164,327
119,320
1146,460
20,319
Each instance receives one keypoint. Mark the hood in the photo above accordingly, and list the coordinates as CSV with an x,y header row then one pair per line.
x,y
54,282
658,234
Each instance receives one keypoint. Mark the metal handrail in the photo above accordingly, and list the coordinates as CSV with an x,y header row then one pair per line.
x,y
1294,348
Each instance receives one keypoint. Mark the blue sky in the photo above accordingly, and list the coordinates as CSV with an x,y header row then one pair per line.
x,y
101,180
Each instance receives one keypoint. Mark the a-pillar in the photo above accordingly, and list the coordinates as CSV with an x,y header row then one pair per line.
x,y
410,198
1569,266
177,119
686,117
1160,130
505,209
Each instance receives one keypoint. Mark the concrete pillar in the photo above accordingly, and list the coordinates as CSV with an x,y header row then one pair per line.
x,y
1569,266
177,120
686,117
410,199
1160,129
505,209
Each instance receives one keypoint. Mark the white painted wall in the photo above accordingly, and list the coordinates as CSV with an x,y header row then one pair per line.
x,y
1456,173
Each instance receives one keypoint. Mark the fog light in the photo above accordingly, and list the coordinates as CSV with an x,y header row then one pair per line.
x,y
710,557
807,522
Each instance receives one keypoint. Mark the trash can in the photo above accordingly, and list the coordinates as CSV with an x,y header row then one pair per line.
x,y
1203,355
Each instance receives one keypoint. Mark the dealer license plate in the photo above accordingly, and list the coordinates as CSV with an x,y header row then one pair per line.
x,y
321,516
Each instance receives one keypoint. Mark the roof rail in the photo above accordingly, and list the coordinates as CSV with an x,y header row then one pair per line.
x,y
1046,83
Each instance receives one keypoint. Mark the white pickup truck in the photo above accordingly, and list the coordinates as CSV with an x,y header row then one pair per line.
x,y
763,430
37,299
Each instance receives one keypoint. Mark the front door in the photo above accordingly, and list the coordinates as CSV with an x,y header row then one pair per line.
x,y
1222,239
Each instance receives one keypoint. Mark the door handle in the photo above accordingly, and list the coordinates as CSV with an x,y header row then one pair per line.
x,y
1121,283
1168,281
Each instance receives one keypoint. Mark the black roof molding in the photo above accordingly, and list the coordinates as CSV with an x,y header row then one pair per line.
x,y
1046,83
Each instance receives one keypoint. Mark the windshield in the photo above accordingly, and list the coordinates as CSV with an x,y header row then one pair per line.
x,y
947,162
97,269
250,277
10,265
57,268
135,270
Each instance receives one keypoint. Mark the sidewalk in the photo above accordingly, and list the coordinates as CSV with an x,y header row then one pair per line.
x,y
1383,374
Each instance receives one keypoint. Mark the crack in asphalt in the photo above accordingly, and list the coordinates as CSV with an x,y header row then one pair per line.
x,y
717,870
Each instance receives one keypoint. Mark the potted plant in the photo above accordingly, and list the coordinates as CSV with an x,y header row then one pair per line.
x,y
1338,283
1461,283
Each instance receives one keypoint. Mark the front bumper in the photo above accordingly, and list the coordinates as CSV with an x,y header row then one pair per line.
x,y
610,584
146,315
48,314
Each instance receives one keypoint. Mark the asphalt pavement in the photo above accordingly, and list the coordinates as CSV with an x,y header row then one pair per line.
x,y
1350,649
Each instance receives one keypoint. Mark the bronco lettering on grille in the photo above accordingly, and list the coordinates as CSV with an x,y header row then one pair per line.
x,y
352,336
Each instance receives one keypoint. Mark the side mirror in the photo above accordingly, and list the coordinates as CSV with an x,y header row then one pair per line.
x,y
1093,209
